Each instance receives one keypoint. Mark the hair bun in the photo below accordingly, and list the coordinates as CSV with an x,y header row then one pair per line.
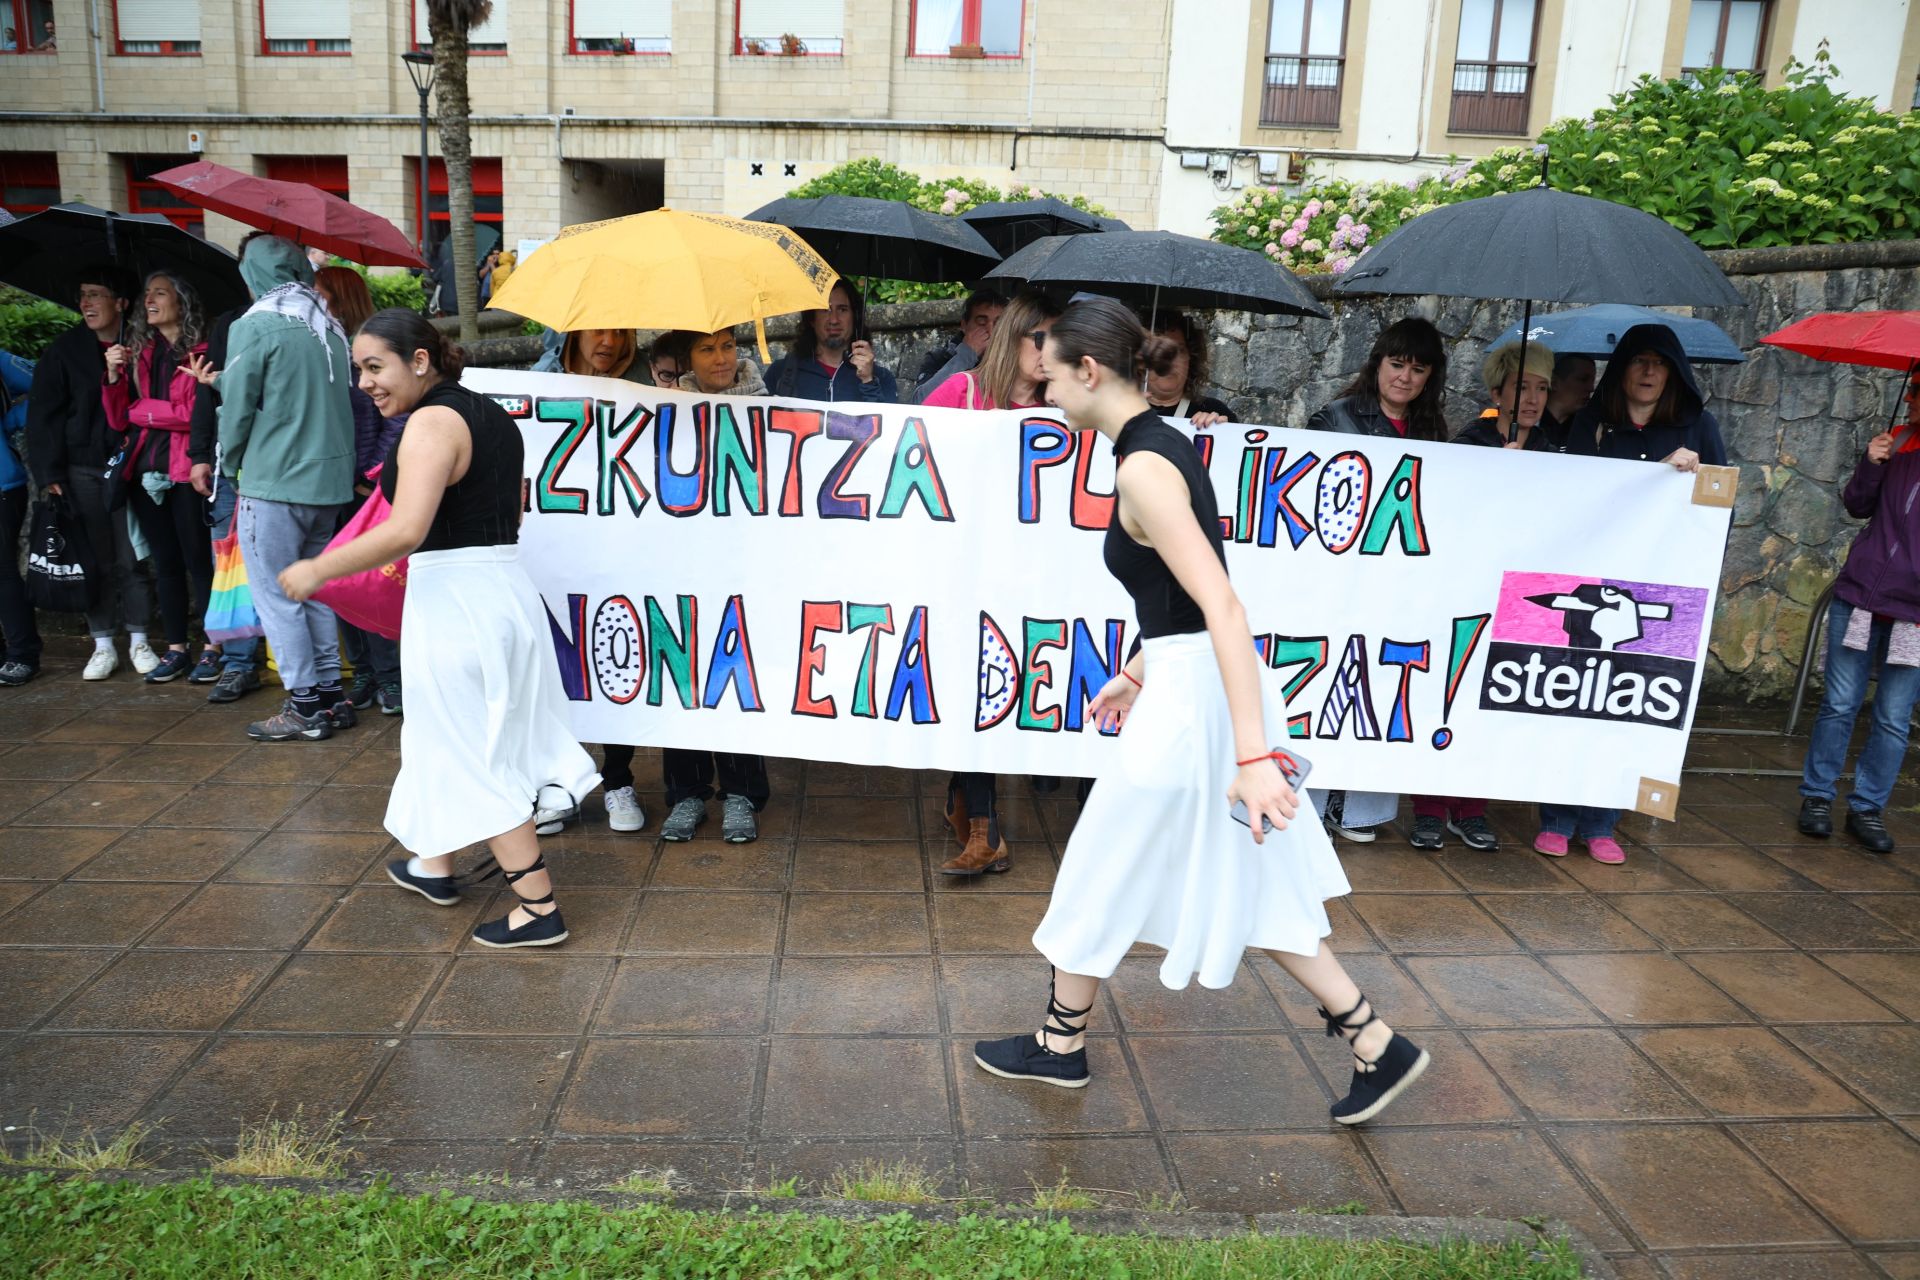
x,y
1158,354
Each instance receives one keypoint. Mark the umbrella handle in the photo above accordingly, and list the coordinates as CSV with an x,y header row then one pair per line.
x,y
760,337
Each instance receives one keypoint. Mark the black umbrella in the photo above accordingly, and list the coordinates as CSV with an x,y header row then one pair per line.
x,y
862,236
1012,225
1156,269
44,252
1542,245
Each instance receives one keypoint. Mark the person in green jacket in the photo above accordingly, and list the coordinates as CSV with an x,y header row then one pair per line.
x,y
286,442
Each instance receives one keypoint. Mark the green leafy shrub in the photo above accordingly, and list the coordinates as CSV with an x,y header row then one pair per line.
x,y
28,324
389,288
1720,156
880,180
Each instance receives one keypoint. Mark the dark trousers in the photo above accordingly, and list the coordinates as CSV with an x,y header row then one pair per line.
x,y
693,773
123,596
372,653
182,549
1448,808
979,791
16,611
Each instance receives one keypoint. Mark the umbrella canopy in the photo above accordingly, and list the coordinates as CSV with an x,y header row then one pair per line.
x,y
300,212
1883,339
1160,269
1545,246
668,270
862,236
1595,331
1012,225
44,253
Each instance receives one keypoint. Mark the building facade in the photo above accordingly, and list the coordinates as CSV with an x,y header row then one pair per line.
x,y
587,109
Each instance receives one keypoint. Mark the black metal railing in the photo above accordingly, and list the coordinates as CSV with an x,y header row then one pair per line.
x,y
1303,91
1491,97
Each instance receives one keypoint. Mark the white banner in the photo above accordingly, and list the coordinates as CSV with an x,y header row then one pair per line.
x,y
923,588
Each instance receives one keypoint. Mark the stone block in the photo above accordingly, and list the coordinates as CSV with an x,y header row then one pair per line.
x,y
1806,577
1757,381
1805,512
1751,498
1804,395
1860,396
1818,448
1737,626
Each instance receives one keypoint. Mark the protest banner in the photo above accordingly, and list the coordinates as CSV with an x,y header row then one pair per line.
x,y
923,588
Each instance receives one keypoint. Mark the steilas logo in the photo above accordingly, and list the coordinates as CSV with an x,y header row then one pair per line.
x,y
1598,648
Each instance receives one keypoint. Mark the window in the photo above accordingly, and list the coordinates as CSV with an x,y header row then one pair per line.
x,y
1725,33
1306,63
489,37
487,190
943,27
329,173
157,27
1493,67
147,196
29,181
311,27
793,28
622,26
26,26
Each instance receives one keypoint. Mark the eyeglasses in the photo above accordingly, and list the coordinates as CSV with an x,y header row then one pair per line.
x,y
1038,337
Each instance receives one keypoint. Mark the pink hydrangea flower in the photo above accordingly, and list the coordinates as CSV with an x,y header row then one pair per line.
x,y
1313,208
1291,236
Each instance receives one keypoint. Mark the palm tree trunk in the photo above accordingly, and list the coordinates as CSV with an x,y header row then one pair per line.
x,y
456,148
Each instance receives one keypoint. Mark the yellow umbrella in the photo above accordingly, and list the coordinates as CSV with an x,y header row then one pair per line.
x,y
668,270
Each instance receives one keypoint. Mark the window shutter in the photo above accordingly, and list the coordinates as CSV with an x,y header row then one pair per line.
x,y
615,19
808,19
157,20
492,31
300,20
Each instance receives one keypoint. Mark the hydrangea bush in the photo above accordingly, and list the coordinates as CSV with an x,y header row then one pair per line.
x,y
1725,159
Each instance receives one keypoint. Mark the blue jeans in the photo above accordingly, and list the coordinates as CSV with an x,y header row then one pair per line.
x,y
235,655
1847,673
1578,820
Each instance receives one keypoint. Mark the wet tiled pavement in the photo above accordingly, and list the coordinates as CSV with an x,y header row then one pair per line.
x,y
1707,1059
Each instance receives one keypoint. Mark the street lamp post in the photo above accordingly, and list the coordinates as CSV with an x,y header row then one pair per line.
x,y
420,71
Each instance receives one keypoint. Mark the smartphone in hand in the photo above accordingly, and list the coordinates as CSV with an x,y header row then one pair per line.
x,y
1293,767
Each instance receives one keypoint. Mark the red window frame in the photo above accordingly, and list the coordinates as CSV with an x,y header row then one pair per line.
x,y
969,34
328,173
15,11
473,50
167,49
575,51
488,180
28,170
740,45
170,207
311,51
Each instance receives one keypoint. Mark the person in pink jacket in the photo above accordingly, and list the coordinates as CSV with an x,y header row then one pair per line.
x,y
148,395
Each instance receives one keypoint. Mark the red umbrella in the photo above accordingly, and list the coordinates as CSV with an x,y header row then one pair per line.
x,y
302,213
1884,339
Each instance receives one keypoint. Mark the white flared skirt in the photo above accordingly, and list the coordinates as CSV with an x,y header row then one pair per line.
x,y
1155,857
486,724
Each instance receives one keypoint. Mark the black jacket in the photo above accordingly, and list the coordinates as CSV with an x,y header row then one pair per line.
x,y
1355,415
1197,404
205,431
1547,436
66,422
1693,427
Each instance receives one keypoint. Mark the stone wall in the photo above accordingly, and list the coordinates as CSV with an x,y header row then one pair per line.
x,y
1795,426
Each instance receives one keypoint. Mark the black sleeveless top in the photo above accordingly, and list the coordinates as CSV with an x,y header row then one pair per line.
x,y
482,508
1163,605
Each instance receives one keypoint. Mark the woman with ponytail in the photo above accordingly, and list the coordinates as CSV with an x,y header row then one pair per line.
x,y
1156,856
486,731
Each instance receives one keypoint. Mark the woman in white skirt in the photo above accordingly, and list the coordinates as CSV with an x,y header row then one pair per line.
x,y
1156,856
486,728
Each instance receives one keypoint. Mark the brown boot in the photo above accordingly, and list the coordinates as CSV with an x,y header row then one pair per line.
x,y
957,815
979,855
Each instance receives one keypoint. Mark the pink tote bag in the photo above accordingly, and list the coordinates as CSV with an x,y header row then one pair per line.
x,y
371,600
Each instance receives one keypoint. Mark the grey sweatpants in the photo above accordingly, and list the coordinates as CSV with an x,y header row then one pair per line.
x,y
305,636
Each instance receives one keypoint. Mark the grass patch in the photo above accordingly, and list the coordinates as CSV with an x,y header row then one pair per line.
x,y
1351,1209
1161,1202
84,1154
649,1182
1061,1197
290,1148
885,1183
82,1229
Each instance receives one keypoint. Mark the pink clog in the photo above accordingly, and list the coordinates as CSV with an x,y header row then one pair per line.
x,y
1551,843
1607,850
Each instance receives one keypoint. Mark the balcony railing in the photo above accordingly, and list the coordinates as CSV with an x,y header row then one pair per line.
x,y
1491,97
1303,91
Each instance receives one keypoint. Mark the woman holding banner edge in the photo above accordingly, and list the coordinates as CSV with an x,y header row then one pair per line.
x,y
1156,856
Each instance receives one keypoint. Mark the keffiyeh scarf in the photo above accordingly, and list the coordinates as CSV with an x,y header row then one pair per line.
x,y
299,303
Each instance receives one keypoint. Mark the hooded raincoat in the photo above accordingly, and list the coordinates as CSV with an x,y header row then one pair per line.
x,y
1692,428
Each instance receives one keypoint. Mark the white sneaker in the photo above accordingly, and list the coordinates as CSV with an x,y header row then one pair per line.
x,y
623,810
143,657
102,664
553,810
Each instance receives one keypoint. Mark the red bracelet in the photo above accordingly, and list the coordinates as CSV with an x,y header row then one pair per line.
x,y
1129,675
1255,760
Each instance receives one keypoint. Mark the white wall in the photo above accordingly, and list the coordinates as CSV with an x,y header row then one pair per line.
x,y
1863,37
1206,66
1401,58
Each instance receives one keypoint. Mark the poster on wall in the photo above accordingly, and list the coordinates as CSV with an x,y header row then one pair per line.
x,y
923,588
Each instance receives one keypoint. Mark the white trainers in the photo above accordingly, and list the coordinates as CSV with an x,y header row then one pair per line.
x,y
143,657
623,810
102,664
553,810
